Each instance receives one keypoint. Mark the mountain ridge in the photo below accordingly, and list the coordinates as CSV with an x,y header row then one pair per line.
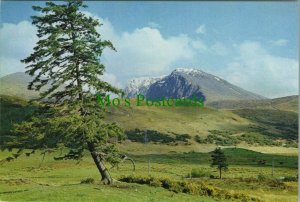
x,y
16,84
187,82
286,103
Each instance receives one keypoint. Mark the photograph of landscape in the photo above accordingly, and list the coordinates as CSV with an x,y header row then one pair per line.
x,y
149,101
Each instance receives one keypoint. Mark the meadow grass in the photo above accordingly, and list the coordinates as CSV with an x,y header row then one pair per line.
x,y
26,180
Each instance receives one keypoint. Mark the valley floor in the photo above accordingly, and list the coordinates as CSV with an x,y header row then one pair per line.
x,y
26,179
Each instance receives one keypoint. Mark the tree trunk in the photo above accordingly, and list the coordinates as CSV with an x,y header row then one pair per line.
x,y
105,176
220,169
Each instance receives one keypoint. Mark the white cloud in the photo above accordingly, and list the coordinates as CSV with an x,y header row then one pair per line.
x,y
17,42
257,70
200,45
143,51
201,29
153,25
219,48
146,52
279,42
112,79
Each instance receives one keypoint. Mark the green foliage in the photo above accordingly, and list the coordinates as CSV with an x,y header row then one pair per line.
x,y
218,137
291,143
199,139
182,137
235,156
290,178
190,187
271,181
272,123
61,179
262,177
138,135
87,181
196,173
219,159
66,56
13,110
255,136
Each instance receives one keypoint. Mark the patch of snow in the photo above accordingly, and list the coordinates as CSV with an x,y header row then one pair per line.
x,y
139,85
189,71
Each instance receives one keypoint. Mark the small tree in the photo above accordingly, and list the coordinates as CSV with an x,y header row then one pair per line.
x,y
66,60
219,159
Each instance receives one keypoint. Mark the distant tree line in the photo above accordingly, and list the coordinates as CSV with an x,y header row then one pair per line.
x,y
154,136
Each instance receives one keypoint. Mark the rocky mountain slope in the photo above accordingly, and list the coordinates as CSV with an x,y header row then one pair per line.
x,y
183,82
140,85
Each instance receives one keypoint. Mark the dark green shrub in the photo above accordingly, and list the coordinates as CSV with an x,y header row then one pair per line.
x,y
155,182
138,135
199,139
262,177
87,181
190,187
182,137
212,177
290,179
195,173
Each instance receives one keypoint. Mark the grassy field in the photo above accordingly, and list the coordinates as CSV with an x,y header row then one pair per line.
x,y
270,135
26,179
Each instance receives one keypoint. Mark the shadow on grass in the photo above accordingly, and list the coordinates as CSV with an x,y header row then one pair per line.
x,y
12,192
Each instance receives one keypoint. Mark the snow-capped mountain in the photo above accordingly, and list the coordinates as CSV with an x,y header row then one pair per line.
x,y
186,82
140,85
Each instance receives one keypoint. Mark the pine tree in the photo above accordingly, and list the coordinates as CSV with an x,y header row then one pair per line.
x,y
219,159
67,58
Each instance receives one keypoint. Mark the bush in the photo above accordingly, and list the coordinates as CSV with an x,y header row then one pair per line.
x,y
212,177
259,139
154,136
155,182
223,138
172,185
183,137
199,139
190,188
290,179
87,181
272,182
208,190
262,177
194,188
195,173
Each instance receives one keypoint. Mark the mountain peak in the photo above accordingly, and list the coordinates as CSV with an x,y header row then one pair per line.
x,y
186,82
140,85
188,71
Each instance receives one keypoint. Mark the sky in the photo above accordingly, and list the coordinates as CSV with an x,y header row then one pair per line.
x,y
253,45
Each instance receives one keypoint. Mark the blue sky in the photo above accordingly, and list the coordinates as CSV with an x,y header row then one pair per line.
x,y
251,44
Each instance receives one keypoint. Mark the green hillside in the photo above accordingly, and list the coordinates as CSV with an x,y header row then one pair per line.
x,y
16,85
288,103
12,110
185,126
